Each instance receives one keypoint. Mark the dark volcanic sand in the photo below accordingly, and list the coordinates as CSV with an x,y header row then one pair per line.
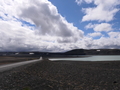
x,y
63,75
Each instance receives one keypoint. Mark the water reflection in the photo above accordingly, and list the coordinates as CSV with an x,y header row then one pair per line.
x,y
91,58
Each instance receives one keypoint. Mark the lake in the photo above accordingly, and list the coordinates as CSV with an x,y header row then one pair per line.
x,y
92,58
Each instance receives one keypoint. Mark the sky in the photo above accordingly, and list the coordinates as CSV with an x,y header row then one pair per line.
x,y
59,25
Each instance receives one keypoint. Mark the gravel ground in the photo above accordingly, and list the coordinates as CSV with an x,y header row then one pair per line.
x,y
9,60
63,75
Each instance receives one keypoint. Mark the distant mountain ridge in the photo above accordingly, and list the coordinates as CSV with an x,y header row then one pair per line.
x,y
75,52
102,52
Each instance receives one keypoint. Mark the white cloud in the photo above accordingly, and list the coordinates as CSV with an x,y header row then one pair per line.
x,y
102,43
78,1
105,10
95,34
8,9
49,22
52,31
114,34
14,37
90,25
43,14
100,27
81,1
51,28
103,27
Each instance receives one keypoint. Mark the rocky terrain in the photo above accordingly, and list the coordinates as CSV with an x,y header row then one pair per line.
x,y
63,75
12,59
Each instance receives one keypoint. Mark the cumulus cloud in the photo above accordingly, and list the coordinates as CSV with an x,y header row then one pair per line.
x,y
49,22
16,38
102,43
78,1
13,37
90,25
103,27
114,34
95,34
81,1
104,10
51,31
100,27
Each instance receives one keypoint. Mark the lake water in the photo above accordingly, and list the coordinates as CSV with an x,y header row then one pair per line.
x,y
92,58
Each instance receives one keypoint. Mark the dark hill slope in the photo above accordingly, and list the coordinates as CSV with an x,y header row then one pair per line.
x,y
102,52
